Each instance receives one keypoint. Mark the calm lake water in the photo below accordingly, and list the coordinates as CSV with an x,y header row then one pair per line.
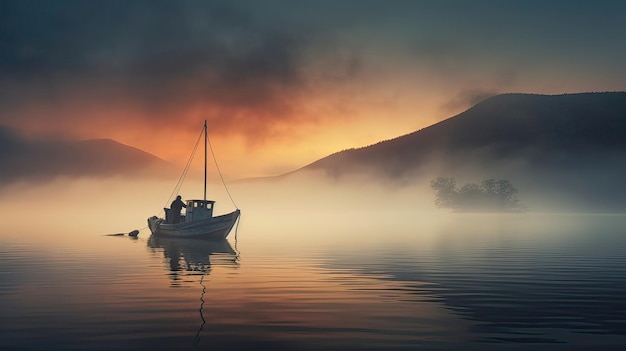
x,y
380,281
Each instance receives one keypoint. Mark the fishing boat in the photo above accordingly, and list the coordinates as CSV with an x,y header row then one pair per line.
x,y
199,220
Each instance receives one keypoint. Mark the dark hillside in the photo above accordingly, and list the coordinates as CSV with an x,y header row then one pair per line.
x,y
569,145
505,126
24,159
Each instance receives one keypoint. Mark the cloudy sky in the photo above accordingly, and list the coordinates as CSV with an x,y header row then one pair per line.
x,y
285,82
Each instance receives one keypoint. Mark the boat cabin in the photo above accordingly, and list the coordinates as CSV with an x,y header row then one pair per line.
x,y
198,209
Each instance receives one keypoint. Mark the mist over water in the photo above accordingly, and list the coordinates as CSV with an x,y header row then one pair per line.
x,y
313,264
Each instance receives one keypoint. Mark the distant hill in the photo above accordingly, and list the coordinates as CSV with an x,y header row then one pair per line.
x,y
571,146
25,159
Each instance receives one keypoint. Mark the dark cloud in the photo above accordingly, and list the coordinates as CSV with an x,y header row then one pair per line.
x,y
159,56
252,66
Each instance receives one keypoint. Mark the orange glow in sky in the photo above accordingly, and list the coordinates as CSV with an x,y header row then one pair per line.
x,y
281,89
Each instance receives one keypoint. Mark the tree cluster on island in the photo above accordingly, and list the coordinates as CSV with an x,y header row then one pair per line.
x,y
490,196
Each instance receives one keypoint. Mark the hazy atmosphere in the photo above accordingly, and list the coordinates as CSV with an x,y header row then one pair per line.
x,y
284,83
387,175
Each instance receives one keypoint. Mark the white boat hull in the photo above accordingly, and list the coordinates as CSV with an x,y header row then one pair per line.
x,y
211,228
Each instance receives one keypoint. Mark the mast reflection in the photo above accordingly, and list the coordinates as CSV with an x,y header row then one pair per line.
x,y
195,257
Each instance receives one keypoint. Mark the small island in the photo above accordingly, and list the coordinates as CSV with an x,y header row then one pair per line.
x,y
490,196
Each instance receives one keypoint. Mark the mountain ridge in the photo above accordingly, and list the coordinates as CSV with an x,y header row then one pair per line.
x,y
42,160
568,146
453,133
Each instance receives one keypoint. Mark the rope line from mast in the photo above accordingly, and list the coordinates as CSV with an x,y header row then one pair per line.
x,y
220,172
185,170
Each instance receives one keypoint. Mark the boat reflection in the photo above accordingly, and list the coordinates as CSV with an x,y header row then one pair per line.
x,y
195,257
187,256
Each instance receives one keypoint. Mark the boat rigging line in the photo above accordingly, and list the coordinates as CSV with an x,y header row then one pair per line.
x,y
220,172
184,174
188,165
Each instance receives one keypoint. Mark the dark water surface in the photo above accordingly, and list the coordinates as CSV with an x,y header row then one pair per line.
x,y
351,282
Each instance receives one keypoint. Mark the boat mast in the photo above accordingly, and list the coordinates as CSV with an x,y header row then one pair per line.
x,y
205,156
